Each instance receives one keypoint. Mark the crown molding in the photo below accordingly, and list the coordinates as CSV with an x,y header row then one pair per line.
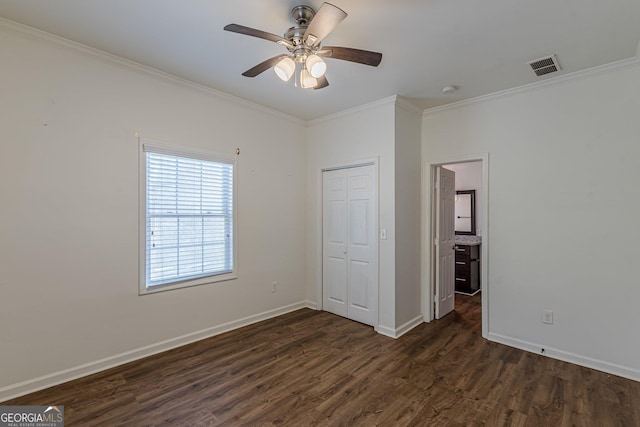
x,y
364,107
33,33
407,105
394,99
589,72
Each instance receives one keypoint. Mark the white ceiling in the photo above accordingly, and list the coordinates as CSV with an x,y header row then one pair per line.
x,y
479,46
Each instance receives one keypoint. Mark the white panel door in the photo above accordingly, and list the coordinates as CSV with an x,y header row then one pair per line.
x,y
350,245
334,242
445,241
362,245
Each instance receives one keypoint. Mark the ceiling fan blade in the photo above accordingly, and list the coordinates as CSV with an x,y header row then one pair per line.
x,y
241,29
354,55
263,66
322,82
325,20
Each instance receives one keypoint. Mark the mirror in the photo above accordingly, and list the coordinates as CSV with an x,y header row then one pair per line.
x,y
465,212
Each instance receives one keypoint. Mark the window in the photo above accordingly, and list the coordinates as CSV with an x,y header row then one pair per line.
x,y
187,233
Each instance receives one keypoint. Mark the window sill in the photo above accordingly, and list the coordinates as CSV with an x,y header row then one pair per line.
x,y
146,290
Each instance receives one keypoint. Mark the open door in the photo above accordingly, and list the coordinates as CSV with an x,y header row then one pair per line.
x,y
445,241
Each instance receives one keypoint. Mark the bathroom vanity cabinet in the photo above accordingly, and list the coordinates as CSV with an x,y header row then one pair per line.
x,y
467,269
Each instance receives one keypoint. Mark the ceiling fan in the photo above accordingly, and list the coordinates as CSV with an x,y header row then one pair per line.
x,y
304,60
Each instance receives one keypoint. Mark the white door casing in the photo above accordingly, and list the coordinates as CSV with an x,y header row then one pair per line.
x,y
350,245
445,242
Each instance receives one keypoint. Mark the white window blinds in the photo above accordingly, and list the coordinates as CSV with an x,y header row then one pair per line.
x,y
189,217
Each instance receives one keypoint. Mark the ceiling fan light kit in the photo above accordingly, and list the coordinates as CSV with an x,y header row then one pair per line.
x,y
285,69
307,81
303,43
316,66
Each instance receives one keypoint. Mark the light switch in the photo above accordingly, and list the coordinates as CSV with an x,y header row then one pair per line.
x,y
383,233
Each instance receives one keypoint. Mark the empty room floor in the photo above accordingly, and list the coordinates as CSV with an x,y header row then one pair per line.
x,y
314,368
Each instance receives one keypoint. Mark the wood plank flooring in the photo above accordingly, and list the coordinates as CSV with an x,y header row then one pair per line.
x,y
314,368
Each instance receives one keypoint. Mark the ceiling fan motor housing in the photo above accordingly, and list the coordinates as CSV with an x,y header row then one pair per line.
x,y
295,35
301,15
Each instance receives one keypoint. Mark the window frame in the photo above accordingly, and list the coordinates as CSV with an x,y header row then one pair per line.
x,y
146,145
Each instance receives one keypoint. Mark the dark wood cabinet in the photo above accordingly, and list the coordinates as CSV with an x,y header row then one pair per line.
x,y
467,268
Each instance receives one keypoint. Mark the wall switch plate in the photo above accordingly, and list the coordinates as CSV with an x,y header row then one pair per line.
x,y
383,233
547,317
274,287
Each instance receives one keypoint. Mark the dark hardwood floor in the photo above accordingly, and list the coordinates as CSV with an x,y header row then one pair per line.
x,y
314,368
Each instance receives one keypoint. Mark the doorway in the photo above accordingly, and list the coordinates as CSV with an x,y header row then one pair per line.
x,y
349,243
470,174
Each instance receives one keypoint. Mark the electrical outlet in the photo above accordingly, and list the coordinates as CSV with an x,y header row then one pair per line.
x,y
274,288
547,317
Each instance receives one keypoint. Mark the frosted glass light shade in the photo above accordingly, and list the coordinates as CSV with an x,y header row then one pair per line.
x,y
307,81
285,69
316,66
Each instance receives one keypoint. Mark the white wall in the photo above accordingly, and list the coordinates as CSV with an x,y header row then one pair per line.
x,y
563,213
69,216
469,177
388,130
407,205
350,138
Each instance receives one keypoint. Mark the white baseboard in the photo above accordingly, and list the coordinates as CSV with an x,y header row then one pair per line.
x,y
387,332
599,365
310,304
29,386
403,329
400,331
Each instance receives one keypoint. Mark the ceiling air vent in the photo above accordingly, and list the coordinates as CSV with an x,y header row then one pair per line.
x,y
545,65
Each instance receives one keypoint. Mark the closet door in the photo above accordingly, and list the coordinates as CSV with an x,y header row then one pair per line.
x,y
334,241
350,245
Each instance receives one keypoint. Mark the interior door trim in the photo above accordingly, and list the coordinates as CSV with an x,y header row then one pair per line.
x,y
428,283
